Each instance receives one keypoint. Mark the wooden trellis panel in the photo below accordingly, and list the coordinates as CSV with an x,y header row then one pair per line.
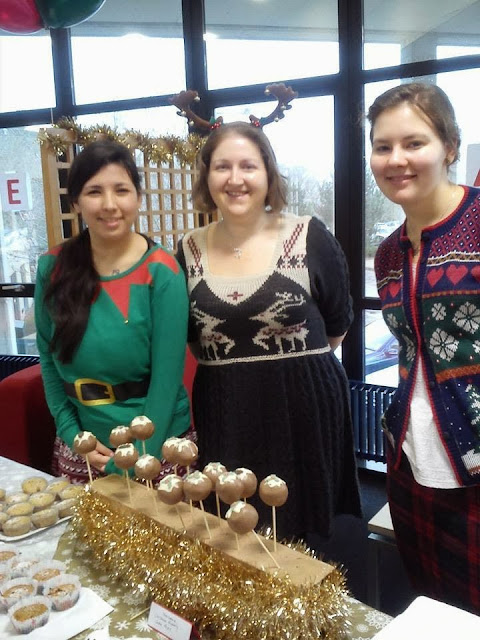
x,y
166,212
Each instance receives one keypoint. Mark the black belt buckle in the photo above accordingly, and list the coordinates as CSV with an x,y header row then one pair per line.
x,y
107,389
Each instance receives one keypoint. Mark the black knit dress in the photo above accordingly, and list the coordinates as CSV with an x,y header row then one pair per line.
x,y
269,394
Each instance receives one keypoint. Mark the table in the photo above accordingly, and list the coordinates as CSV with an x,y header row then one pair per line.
x,y
61,543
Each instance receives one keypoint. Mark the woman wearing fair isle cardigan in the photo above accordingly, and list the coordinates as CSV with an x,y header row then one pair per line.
x,y
428,277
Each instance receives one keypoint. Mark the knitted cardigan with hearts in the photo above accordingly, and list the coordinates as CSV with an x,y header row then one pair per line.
x,y
438,315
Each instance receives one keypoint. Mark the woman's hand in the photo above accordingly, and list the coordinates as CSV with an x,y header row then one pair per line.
x,y
100,456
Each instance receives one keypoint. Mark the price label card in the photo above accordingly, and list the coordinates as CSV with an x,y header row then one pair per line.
x,y
169,625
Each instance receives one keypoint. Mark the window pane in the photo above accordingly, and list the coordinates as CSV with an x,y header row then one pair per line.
x,y
129,51
381,351
17,327
158,121
248,42
307,167
26,73
420,30
23,233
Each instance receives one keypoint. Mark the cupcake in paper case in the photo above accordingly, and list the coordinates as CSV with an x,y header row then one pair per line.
x,y
8,553
63,591
5,572
30,613
15,590
45,571
22,566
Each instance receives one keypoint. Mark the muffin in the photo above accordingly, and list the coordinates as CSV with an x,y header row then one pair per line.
x,y
7,553
14,590
34,484
20,509
18,496
17,526
44,571
63,591
3,518
22,566
41,500
5,572
30,613
73,491
66,508
45,517
3,493
56,486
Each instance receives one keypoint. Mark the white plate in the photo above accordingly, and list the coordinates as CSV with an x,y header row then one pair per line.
x,y
32,532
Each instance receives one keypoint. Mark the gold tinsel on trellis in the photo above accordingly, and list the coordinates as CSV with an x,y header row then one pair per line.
x,y
158,150
232,600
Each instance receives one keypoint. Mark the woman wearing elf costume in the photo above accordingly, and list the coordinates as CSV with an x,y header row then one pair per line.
x,y
111,314
429,285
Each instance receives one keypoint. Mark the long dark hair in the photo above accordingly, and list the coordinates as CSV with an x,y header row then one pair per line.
x,y
74,282
277,188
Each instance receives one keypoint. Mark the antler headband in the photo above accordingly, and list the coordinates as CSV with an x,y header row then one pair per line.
x,y
183,100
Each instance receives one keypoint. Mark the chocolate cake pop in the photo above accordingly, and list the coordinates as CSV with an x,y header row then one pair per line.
x,y
229,487
120,435
170,489
142,428
169,449
197,486
241,517
187,452
249,481
84,442
273,491
213,470
125,456
147,467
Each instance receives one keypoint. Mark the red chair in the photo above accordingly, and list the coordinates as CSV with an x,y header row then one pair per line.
x,y
28,431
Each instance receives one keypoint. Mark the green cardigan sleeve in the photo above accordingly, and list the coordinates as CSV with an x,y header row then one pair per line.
x,y
62,410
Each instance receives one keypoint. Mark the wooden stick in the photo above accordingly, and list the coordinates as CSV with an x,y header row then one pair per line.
x,y
180,516
89,469
265,548
219,513
137,615
274,522
238,543
143,447
205,519
128,486
152,490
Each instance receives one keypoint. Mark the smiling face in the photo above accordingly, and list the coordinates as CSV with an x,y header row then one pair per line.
x,y
409,160
109,203
237,178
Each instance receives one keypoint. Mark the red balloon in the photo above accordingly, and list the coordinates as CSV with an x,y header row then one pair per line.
x,y
19,16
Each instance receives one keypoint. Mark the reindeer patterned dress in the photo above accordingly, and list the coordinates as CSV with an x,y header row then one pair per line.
x,y
269,394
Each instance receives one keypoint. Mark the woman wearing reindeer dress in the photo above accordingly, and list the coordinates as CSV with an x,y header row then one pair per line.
x,y
269,302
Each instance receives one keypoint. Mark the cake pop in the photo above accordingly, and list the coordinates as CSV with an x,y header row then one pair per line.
x,y
142,428
213,470
147,467
83,443
249,481
187,452
125,456
170,491
229,487
274,492
120,435
241,517
197,486
169,449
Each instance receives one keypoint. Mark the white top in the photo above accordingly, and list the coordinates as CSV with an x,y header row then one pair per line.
x,y
422,445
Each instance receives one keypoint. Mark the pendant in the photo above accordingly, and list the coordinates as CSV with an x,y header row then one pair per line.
x,y
238,252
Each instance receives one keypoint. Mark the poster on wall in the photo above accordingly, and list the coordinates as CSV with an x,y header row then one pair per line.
x,y
473,165
15,191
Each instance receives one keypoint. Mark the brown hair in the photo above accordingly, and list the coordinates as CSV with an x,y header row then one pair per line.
x,y
431,101
277,187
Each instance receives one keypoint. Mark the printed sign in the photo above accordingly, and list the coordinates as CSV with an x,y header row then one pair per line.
x,y
169,625
15,191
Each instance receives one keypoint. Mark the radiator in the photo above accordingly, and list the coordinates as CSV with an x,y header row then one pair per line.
x,y
369,402
10,364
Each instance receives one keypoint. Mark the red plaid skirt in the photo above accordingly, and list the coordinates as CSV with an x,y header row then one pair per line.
x,y
71,465
438,537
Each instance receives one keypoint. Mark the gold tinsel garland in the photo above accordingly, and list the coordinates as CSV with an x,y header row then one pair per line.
x,y
156,150
226,598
